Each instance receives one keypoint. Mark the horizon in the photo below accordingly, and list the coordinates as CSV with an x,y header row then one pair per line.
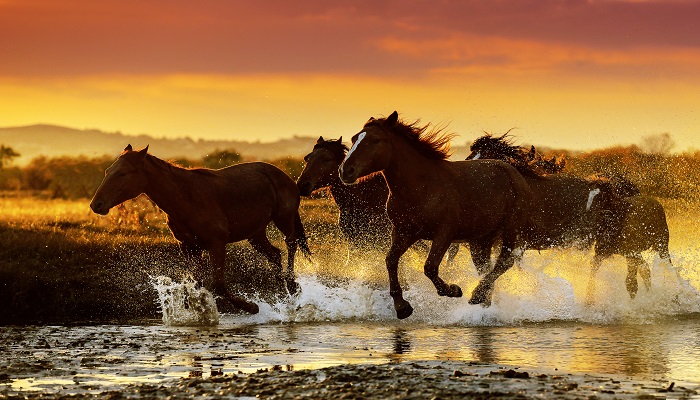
x,y
577,75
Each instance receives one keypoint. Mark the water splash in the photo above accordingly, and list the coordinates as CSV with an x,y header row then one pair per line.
x,y
547,286
185,304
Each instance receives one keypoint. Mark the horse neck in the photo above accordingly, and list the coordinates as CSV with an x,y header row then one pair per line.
x,y
408,169
165,183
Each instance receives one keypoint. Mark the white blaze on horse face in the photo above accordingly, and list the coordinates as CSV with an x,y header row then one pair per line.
x,y
354,146
591,195
477,156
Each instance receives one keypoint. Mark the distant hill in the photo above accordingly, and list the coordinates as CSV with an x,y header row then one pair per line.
x,y
53,141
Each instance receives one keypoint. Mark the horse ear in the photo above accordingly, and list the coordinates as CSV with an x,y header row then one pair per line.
x,y
142,153
340,140
128,147
320,140
393,118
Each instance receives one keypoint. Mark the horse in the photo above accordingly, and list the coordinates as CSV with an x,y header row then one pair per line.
x,y
562,202
616,216
206,209
363,219
627,225
434,199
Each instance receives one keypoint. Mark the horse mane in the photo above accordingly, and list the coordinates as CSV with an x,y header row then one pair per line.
x,y
431,143
528,161
166,166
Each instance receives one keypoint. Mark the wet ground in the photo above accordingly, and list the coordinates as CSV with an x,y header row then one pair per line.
x,y
317,358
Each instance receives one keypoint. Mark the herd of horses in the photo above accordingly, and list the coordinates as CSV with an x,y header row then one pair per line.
x,y
395,188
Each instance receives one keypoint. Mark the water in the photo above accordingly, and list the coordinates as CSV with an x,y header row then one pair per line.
x,y
538,320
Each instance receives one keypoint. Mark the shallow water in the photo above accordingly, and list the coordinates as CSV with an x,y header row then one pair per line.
x,y
538,320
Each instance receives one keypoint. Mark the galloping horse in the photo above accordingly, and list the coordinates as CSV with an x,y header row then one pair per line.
x,y
207,209
561,209
627,225
616,216
435,199
363,219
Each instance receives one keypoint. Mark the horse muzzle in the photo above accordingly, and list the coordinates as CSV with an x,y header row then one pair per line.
x,y
99,207
348,175
305,188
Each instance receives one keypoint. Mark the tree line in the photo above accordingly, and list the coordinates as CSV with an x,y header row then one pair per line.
x,y
657,173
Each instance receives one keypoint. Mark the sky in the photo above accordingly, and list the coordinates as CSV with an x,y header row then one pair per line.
x,y
577,74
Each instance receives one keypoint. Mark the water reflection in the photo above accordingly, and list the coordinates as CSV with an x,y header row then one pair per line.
x,y
402,341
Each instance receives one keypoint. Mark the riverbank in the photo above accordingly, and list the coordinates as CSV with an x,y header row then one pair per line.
x,y
407,380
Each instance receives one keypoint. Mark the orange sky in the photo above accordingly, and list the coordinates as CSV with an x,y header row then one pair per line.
x,y
568,74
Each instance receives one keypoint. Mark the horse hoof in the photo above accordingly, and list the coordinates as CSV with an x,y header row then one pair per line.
x,y
404,312
455,291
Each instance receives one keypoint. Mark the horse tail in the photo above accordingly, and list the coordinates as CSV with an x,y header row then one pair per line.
x,y
301,236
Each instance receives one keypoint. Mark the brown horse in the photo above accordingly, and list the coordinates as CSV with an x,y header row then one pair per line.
x,y
435,199
616,216
363,219
207,209
627,225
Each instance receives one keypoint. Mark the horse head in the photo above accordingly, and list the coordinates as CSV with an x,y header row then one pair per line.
x,y
321,165
123,181
371,149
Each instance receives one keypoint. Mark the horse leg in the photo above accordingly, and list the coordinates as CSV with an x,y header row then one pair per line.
x,y
481,256
193,255
262,245
644,272
217,254
432,266
633,264
595,266
285,224
399,245
483,291
292,285
452,254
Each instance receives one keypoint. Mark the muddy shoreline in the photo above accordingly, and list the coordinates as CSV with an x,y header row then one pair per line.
x,y
405,380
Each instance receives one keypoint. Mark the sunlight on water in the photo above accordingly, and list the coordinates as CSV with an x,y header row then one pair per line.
x,y
185,304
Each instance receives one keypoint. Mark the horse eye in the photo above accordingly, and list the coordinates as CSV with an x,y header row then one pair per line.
x,y
122,173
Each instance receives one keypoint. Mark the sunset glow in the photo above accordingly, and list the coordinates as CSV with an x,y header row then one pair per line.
x,y
567,74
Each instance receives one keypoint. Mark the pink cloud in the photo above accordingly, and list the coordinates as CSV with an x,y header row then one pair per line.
x,y
49,38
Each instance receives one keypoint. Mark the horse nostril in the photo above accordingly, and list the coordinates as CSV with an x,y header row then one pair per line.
x,y
97,206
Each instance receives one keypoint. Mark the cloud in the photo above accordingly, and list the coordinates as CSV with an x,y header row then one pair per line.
x,y
358,37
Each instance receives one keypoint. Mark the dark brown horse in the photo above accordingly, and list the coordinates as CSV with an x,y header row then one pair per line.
x,y
616,216
435,199
561,209
363,219
627,225
207,209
